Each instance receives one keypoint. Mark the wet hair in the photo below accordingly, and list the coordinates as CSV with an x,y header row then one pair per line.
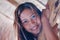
x,y
17,20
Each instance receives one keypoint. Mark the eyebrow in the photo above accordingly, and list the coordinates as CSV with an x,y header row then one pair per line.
x,y
26,19
31,14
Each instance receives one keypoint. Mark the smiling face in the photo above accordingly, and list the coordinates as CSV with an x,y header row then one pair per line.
x,y
31,21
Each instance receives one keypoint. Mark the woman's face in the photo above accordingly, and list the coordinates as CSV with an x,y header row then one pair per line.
x,y
31,21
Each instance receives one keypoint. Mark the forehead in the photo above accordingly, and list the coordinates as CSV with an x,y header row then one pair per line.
x,y
27,13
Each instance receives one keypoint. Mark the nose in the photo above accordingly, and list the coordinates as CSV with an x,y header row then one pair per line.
x,y
32,22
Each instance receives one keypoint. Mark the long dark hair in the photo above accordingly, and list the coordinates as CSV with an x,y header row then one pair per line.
x,y
17,21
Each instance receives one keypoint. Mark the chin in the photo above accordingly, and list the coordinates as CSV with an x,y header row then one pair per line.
x,y
36,32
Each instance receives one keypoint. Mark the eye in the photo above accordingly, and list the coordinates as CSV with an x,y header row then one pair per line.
x,y
33,16
24,22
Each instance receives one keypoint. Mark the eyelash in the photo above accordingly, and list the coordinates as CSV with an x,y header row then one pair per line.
x,y
24,22
33,16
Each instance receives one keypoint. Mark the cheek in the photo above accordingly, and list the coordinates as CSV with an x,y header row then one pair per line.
x,y
27,28
38,21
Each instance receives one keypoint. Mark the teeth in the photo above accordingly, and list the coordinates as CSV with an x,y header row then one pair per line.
x,y
34,28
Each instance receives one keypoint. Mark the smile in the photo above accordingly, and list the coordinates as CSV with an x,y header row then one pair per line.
x,y
34,28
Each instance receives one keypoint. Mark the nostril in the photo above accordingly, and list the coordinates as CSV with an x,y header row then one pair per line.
x,y
32,21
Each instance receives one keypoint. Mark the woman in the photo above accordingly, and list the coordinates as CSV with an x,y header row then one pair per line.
x,y
32,24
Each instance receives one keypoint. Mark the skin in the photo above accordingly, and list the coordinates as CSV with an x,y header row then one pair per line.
x,y
31,21
48,31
